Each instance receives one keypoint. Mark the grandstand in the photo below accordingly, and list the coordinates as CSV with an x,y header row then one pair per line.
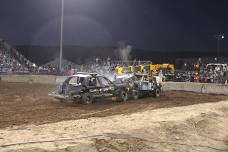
x,y
11,61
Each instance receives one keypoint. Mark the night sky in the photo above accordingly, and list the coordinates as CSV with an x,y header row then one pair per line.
x,y
161,25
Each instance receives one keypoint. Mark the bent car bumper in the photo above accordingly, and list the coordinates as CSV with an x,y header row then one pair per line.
x,y
59,96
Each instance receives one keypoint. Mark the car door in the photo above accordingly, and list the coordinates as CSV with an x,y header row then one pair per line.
x,y
107,87
94,87
74,85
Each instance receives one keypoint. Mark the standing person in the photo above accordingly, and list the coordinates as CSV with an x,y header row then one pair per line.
x,y
161,76
108,61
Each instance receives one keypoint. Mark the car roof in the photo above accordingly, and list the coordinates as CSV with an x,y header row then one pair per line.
x,y
81,75
216,64
85,74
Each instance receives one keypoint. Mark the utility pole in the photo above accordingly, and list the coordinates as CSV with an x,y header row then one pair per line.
x,y
219,37
61,37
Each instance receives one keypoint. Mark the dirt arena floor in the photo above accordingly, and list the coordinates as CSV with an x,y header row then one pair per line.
x,y
28,115
29,104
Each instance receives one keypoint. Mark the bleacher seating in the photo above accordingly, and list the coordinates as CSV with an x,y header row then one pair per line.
x,y
11,61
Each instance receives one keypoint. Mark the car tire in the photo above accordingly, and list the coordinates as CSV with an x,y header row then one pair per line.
x,y
157,92
123,95
135,94
87,98
61,100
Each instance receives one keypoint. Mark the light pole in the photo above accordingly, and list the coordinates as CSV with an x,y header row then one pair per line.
x,y
61,37
219,37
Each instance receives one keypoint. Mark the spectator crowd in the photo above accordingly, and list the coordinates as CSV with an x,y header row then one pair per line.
x,y
11,61
203,72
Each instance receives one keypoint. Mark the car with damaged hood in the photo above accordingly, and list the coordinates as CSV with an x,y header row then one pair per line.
x,y
87,87
141,85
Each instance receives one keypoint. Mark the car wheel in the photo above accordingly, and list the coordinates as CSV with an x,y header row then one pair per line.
x,y
61,100
123,96
157,92
87,98
135,94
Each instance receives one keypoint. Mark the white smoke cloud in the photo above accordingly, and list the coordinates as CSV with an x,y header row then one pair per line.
x,y
123,51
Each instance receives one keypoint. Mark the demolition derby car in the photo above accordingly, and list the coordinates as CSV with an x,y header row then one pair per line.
x,y
142,84
86,87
